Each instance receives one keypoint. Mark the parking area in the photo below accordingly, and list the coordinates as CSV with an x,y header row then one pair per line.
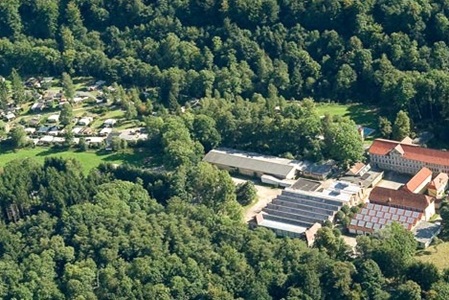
x,y
264,193
394,180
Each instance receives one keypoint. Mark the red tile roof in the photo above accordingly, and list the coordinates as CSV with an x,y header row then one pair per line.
x,y
412,152
356,168
400,198
439,181
418,179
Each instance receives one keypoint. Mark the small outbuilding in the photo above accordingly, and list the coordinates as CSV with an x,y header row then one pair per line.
x,y
109,122
85,121
358,169
438,186
105,131
425,232
10,116
53,119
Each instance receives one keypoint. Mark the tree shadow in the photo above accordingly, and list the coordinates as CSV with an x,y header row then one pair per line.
x,y
52,150
424,253
363,115
131,158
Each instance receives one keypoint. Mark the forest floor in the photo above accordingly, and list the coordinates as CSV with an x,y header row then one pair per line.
x,y
437,255
88,159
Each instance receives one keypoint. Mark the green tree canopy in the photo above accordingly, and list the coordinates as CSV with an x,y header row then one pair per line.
x,y
246,193
401,126
66,115
343,141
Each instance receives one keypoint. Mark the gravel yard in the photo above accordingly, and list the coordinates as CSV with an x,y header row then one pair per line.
x,y
265,195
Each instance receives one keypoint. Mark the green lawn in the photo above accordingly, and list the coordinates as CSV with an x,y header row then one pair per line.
x,y
113,114
88,160
435,254
359,113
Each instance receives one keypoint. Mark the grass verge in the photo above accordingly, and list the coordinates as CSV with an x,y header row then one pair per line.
x,y
436,254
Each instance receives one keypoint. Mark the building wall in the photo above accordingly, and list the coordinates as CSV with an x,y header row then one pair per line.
x,y
364,170
429,211
434,192
377,180
292,174
359,230
248,172
402,165
252,173
437,193
284,233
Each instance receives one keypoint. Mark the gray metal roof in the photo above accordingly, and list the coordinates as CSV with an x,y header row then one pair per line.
x,y
425,231
275,166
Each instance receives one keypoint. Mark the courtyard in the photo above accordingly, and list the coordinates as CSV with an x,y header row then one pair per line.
x,y
394,180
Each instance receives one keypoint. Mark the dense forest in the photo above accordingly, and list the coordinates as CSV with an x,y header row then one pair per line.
x,y
292,132
115,234
232,67
392,54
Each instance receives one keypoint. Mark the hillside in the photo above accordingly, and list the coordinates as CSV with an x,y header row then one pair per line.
x,y
119,203
389,53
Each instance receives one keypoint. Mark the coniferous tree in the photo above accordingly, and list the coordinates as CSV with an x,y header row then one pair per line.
x,y
68,87
18,89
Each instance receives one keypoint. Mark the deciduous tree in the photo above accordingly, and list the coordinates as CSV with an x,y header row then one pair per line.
x,y
401,126
246,193
18,137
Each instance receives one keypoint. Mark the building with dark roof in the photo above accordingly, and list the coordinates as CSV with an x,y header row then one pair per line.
x,y
294,212
319,171
404,157
404,200
425,232
253,164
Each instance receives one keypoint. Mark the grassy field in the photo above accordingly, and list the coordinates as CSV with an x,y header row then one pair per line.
x,y
113,114
435,254
88,160
360,114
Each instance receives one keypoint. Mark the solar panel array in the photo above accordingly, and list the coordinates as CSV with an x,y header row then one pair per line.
x,y
374,217
300,209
